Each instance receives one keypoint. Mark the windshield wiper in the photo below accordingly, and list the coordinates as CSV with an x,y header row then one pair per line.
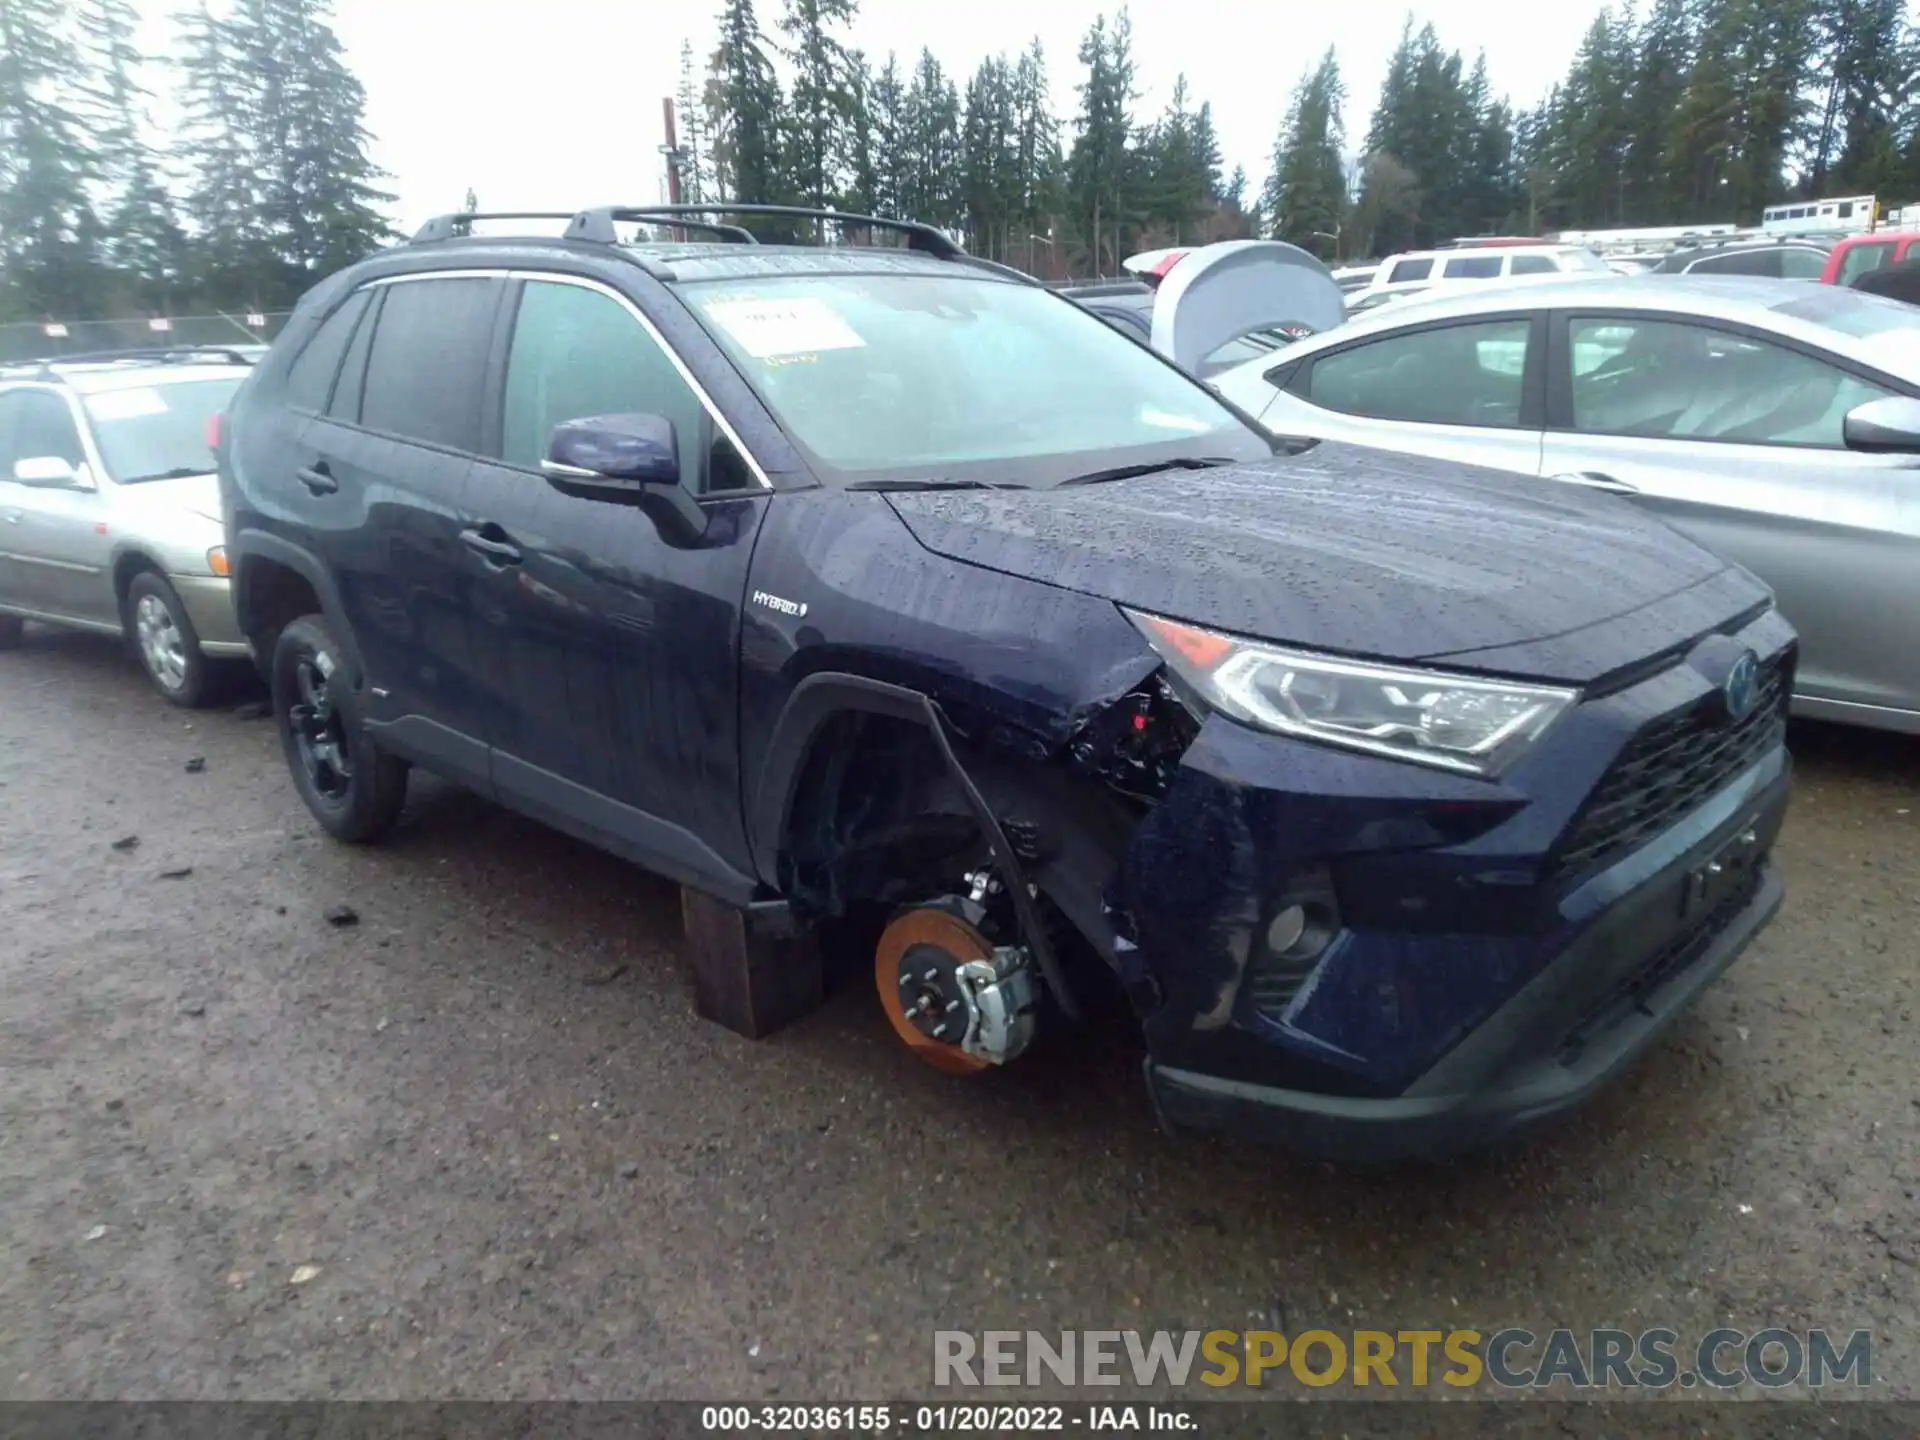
x,y
1128,472
178,472
932,482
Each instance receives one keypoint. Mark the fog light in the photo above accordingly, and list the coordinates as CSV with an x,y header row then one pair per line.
x,y
1287,928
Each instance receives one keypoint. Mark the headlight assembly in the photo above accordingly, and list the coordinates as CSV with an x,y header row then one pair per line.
x,y
1453,722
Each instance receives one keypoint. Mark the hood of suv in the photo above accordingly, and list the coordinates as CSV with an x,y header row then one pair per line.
x,y
1344,548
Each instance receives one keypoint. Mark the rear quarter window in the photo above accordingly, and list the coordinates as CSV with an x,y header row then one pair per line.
x,y
1410,270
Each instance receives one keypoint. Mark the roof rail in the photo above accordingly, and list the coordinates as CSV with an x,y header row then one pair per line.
x,y
460,222
597,224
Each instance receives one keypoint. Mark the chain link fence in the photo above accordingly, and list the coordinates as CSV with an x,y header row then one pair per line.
x,y
50,341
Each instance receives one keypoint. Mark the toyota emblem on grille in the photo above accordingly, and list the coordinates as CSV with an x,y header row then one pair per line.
x,y
1742,686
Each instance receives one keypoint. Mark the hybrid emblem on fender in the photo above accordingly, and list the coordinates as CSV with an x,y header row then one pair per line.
x,y
795,608
1742,686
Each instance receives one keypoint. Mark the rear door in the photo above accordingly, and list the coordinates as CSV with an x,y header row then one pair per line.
x,y
1735,438
380,479
1470,390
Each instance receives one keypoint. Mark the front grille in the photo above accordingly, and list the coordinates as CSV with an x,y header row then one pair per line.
x,y
1668,769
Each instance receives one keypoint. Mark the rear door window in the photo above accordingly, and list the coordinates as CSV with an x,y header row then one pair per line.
x,y
428,365
1473,267
1451,375
310,381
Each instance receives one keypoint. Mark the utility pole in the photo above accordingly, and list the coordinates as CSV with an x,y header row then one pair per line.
x,y
675,158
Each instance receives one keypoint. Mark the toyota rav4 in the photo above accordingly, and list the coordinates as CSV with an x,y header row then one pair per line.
x,y
1403,802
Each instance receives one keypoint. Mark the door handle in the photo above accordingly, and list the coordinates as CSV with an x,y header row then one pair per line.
x,y
317,478
495,551
1594,480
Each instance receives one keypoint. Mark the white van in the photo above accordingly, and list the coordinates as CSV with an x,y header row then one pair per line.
x,y
1419,269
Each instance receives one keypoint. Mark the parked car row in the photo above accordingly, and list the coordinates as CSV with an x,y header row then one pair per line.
x,y
1400,802
1777,423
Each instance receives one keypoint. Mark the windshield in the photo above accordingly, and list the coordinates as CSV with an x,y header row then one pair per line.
x,y
155,432
961,377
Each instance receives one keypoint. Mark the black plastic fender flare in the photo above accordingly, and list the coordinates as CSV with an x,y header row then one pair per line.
x,y
818,699
259,544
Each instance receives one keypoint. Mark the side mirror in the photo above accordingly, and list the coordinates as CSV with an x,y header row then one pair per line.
x,y
626,460
1887,426
49,472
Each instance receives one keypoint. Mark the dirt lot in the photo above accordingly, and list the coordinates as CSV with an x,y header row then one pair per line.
x,y
486,1120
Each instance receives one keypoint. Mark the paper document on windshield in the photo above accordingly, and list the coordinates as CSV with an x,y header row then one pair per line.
x,y
773,329
125,404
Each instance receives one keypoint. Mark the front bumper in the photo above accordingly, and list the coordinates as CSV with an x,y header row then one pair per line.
x,y
1570,1031
209,604
1503,948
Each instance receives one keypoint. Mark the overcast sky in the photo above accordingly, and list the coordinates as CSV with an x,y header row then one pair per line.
x,y
555,104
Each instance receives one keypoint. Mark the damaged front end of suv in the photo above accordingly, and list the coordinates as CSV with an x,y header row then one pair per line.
x,y
1412,887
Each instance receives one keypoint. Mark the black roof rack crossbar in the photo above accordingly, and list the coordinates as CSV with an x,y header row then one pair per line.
x,y
597,224
460,222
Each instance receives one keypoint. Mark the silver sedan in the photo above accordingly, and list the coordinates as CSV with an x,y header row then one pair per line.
x,y
110,509
1775,421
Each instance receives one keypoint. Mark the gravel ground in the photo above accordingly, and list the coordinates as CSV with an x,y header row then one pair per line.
x,y
477,1145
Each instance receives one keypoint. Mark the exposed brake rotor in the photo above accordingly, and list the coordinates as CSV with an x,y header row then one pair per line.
x,y
917,971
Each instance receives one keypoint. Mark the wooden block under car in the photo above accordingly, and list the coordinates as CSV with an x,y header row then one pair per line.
x,y
744,978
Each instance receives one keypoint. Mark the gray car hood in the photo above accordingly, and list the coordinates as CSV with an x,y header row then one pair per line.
x,y
1345,549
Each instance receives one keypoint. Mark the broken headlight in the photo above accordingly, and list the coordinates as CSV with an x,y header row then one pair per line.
x,y
1453,722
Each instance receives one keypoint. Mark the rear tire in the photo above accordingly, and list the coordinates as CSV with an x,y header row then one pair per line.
x,y
354,789
166,643
12,630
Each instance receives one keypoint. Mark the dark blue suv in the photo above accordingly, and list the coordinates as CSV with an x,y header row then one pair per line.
x,y
1403,802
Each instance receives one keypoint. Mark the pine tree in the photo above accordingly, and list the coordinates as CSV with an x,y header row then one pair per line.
x,y
329,173
1868,58
48,231
141,237
862,156
285,191
1304,202
821,105
887,109
690,121
1662,60
743,106
932,149
1100,167
1037,161
989,157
